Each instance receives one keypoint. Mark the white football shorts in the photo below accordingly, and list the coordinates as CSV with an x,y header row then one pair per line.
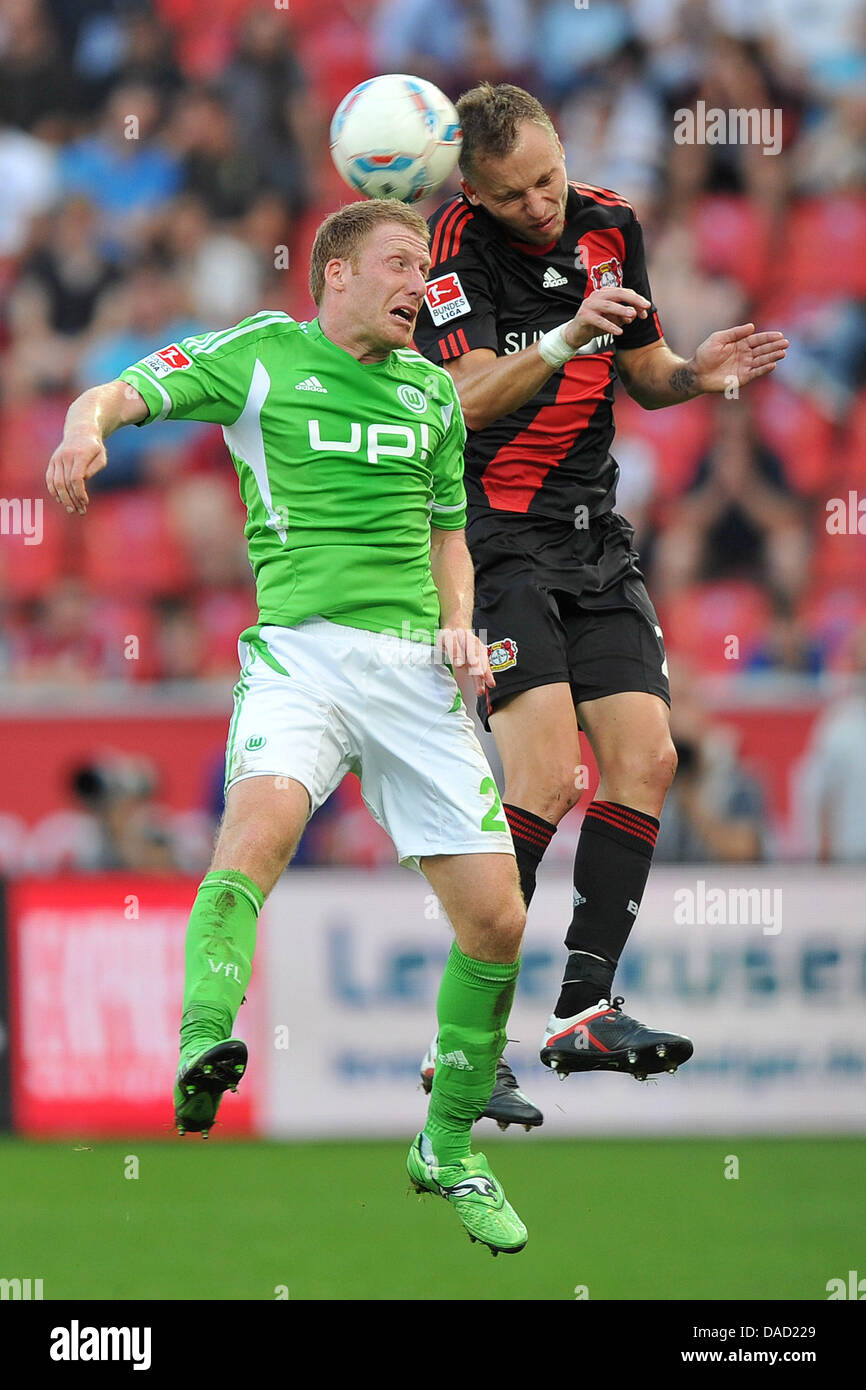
x,y
321,699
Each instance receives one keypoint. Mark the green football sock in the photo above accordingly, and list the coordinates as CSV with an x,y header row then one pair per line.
x,y
220,941
474,1002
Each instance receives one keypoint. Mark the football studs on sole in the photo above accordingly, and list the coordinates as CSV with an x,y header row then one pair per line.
x,y
503,1124
527,1128
632,1057
554,1064
661,1050
671,1070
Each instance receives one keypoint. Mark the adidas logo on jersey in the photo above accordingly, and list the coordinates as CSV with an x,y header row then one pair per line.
x,y
552,279
456,1059
312,383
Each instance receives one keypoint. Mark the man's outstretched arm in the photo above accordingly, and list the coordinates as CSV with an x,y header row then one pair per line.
x,y
91,418
655,377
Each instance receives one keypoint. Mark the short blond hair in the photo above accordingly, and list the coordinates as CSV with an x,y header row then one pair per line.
x,y
342,234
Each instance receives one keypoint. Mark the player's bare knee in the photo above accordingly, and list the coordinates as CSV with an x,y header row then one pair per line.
x,y
641,773
551,796
501,927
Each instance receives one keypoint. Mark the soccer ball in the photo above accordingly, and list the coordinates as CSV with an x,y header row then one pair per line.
x,y
395,137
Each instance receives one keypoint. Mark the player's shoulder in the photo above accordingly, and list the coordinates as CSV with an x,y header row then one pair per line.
x,y
417,370
411,364
453,228
267,323
602,197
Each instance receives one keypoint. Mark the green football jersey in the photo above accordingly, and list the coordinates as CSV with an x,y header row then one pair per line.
x,y
343,465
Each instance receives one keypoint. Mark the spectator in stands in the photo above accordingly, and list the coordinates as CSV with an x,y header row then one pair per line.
x,y
30,181
129,831
149,306
124,167
787,648
38,85
266,92
831,157
734,76
831,779
68,265
433,38
216,165
715,810
62,644
738,518
615,132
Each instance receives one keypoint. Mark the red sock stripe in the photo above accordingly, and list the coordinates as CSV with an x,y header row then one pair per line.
x,y
630,823
526,829
531,837
638,818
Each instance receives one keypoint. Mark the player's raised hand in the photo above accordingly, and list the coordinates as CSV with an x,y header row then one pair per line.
x,y
608,310
467,653
737,353
75,459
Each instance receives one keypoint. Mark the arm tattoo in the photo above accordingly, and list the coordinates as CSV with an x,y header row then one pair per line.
x,y
681,380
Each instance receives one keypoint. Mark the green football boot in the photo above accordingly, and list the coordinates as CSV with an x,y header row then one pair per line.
x,y
201,1080
475,1194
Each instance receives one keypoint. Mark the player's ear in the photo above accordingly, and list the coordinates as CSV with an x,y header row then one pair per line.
x,y
336,274
470,192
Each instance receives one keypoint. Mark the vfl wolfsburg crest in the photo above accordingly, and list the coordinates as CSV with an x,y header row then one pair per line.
x,y
257,741
412,398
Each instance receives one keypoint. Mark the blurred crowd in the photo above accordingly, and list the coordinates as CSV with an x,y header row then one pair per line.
x,y
163,168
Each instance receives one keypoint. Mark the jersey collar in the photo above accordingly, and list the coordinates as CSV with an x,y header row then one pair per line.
x,y
315,331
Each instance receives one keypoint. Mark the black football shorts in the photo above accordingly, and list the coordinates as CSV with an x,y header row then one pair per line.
x,y
556,607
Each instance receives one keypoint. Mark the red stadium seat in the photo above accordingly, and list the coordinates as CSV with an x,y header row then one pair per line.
x,y
853,447
840,558
832,612
733,237
699,622
26,571
29,433
130,547
129,631
822,248
678,438
798,433
223,617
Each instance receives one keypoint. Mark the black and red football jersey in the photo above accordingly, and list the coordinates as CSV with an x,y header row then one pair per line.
x,y
488,291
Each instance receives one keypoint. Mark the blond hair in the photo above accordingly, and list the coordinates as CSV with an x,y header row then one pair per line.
x,y
342,234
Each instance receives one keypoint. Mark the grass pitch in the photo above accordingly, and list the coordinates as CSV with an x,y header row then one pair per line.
x,y
628,1219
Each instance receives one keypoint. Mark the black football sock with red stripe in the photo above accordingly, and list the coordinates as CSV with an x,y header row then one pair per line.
x,y
531,836
611,867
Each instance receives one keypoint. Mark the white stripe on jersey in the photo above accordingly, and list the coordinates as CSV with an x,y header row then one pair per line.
x,y
244,439
152,381
261,320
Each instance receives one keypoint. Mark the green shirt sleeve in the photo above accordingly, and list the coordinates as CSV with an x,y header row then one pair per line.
x,y
448,508
200,378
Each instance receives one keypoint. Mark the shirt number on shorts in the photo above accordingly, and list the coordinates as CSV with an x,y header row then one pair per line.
x,y
492,818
